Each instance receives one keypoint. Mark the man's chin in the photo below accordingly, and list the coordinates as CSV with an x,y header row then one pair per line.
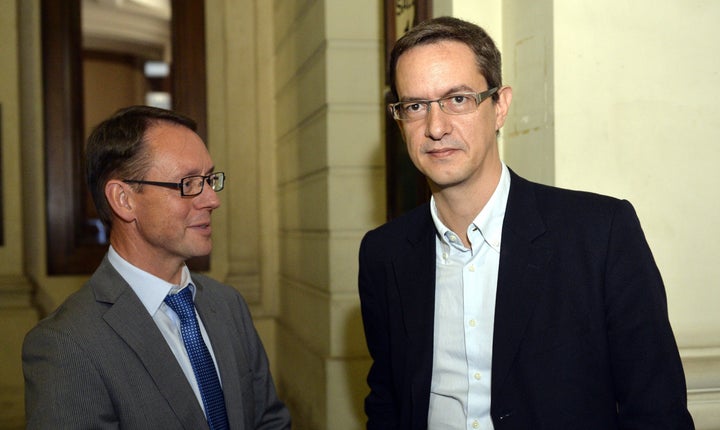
x,y
201,250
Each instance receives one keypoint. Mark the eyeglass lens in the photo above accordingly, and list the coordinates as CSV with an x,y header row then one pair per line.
x,y
454,104
193,185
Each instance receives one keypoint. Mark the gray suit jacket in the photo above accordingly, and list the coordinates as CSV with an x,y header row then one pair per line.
x,y
99,361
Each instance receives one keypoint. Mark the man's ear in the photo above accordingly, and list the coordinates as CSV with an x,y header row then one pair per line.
x,y
502,106
120,198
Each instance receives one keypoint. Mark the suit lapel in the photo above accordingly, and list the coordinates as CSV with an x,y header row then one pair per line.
x,y
132,323
219,332
414,275
520,278
414,272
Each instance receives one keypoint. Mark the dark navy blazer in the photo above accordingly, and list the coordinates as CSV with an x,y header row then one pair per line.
x,y
581,337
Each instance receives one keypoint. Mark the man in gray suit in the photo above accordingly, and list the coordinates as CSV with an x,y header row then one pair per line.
x,y
129,349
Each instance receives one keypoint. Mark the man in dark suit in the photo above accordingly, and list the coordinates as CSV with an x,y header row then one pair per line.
x,y
145,344
501,303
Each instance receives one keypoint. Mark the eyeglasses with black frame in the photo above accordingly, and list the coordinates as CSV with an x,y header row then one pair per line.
x,y
189,186
453,104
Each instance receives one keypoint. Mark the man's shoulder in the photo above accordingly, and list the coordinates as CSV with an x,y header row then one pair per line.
x,y
555,195
407,223
228,302
77,314
206,281
215,288
564,206
408,230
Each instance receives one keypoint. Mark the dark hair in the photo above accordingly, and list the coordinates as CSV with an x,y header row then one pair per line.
x,y
117,148
487,56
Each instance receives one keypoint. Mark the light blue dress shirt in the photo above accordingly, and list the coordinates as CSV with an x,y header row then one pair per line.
x,y
465,289
152,291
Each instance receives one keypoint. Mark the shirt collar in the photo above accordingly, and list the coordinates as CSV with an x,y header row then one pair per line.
x,y
490,219
150,289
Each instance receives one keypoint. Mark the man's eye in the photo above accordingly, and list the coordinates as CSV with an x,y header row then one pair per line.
x,y
413,107
459,99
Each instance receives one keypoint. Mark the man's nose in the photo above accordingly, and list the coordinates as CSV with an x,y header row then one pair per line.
x,y
437,122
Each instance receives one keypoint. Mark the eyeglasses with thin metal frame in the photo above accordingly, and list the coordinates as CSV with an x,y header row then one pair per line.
x,y
453,104
189,186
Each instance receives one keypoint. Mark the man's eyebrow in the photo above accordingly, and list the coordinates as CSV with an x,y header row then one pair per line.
x,y
453,90
459,89
411,99
198,172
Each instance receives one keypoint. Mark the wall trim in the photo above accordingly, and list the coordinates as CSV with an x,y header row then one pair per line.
x,y
702,372
15,291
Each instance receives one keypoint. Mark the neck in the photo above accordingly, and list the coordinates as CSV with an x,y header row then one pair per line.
x,y
145,259
459,205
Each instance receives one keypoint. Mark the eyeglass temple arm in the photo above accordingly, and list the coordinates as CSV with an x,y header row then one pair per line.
x,y
172,185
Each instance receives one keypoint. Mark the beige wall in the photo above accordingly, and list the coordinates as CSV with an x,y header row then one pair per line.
x,y
330,188
16,313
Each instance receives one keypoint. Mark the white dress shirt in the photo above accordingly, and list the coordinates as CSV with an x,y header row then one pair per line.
x,y
152,292
465,288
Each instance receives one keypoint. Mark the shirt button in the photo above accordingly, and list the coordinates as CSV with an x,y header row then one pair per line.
x,y
471,268
475,424
445,256
472,323
477,376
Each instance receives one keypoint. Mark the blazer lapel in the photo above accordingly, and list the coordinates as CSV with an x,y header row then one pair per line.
x,y
130,320
520,278
414,272
219,332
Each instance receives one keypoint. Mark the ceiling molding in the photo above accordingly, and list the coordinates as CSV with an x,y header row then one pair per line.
x,y
137,27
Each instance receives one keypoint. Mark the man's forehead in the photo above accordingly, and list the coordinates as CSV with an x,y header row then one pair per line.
x,y
439,68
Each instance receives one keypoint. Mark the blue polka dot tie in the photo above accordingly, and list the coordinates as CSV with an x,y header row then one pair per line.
x,y
202,363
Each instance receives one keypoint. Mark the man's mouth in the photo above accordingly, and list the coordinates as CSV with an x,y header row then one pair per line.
x,y
441,152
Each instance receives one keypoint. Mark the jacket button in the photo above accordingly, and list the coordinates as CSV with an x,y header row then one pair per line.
x,y
505,415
